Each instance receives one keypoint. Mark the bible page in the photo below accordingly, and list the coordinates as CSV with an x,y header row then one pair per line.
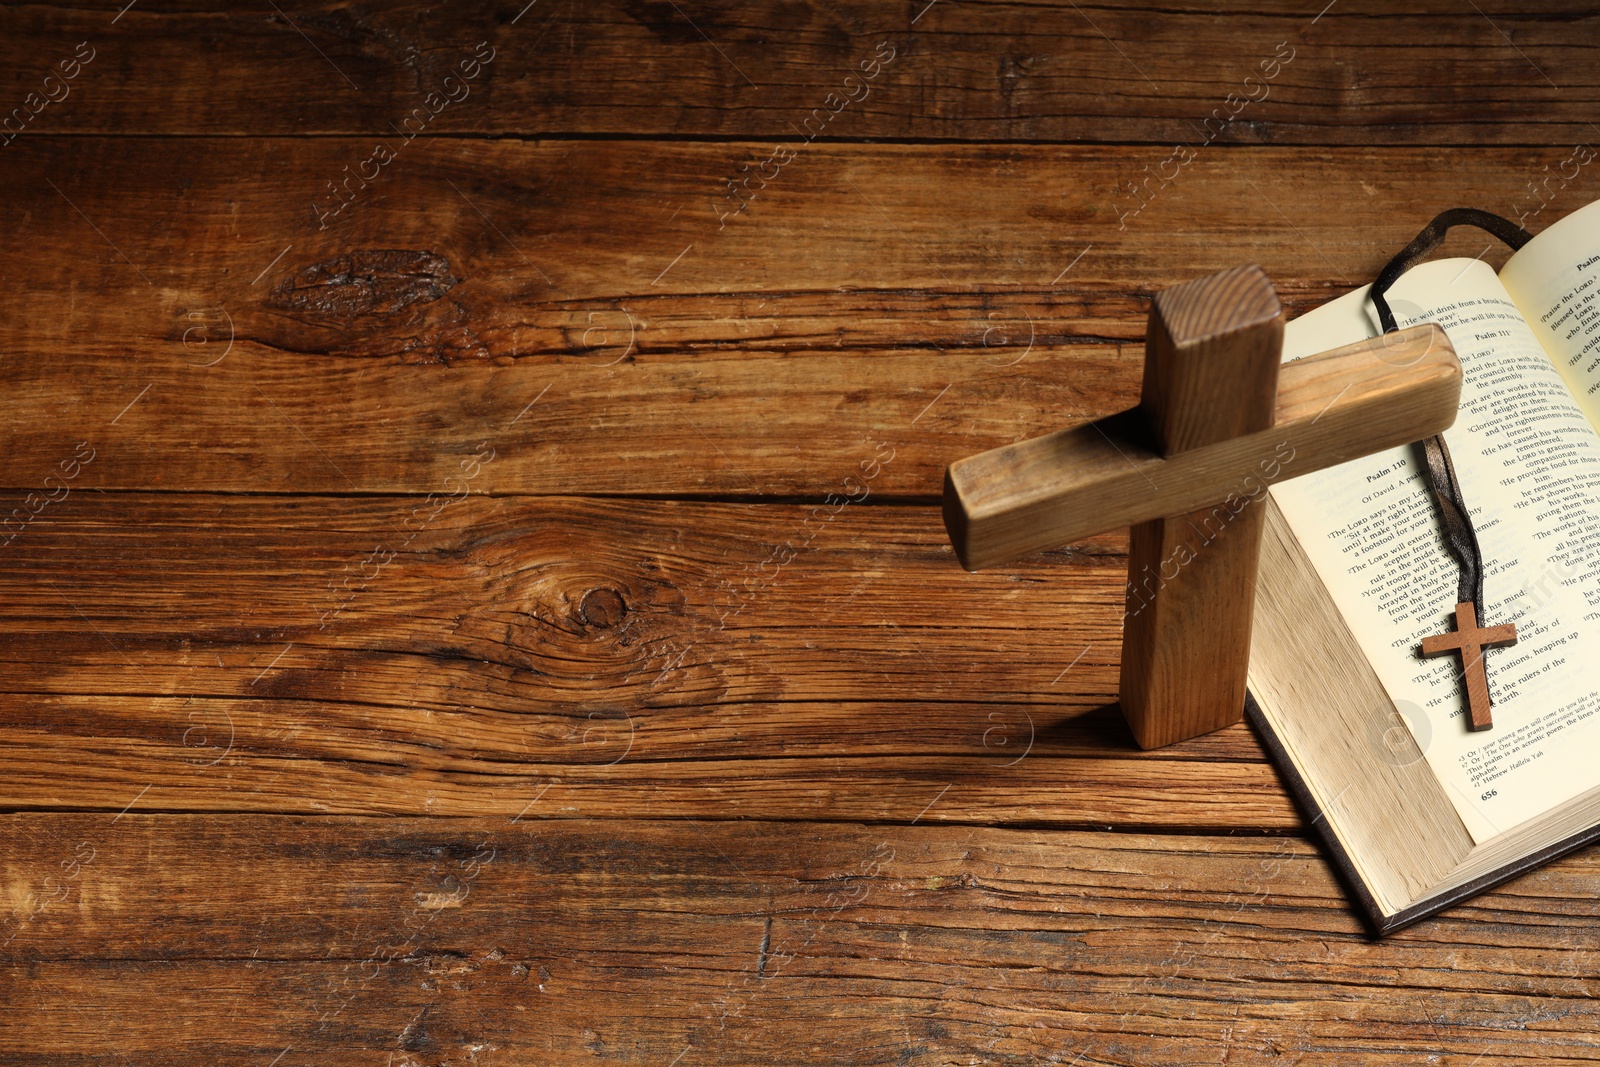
x,y
1555,280
1529,465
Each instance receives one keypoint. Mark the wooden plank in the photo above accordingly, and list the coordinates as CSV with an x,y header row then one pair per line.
x,y
651,357
1051,71
478,940
46,772
314,654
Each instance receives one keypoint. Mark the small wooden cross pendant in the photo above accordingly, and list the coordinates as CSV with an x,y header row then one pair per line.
x,y
1470,641
1188,470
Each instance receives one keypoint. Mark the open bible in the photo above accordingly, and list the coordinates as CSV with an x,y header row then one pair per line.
x,y
1418,811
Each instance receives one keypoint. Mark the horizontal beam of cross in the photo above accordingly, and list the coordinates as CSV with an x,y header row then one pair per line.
x,y
1050,491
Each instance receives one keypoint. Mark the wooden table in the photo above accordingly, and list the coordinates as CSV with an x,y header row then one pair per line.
x,y
483,599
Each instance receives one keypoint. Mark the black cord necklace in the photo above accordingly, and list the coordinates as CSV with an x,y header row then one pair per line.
x,y
1469,638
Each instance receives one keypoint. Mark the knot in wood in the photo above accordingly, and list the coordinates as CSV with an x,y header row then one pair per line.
x,y
367,281
602,608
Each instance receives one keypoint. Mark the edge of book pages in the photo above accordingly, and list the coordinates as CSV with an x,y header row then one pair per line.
x,y
1345,754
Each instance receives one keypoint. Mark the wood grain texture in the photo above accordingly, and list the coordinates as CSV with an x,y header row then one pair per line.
x,y
481,940
715,376
602,268
311,654
1050,71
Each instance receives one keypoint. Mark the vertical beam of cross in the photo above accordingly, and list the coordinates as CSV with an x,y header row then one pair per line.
x,y
1211,373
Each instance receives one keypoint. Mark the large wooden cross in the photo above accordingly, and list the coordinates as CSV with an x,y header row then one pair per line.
x,y
1217,422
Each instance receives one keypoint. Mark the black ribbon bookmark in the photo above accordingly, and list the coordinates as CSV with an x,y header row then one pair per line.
x,y
1469,639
